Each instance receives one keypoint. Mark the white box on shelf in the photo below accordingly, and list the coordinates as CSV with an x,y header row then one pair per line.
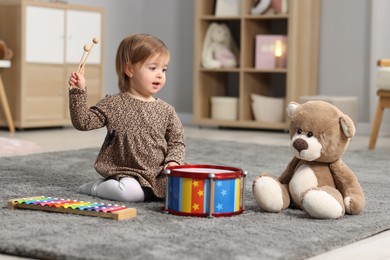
x,y
227,8
224,108
268,109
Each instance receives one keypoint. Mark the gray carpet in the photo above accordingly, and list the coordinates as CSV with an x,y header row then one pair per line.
x,y
154,235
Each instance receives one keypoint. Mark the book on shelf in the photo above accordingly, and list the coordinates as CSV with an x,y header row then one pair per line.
x,y
270,51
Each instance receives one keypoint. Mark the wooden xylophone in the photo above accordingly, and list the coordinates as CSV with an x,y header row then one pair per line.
x,y
113,211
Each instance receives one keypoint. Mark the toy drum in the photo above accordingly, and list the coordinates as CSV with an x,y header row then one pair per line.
x,y
204,190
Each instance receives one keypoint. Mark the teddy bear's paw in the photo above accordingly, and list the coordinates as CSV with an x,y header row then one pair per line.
x,y
268,194
229,63
347,203
321,204
353,206
213,64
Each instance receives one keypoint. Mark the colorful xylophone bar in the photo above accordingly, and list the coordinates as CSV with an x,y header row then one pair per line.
x,y
113,211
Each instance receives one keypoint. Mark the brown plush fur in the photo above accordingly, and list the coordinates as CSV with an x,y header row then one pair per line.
x,y
320,134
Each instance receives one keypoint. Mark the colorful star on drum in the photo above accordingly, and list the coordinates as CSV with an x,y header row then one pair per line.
x,y
195,207
187,195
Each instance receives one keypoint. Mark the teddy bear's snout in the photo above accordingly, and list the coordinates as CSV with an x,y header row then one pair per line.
x,y
300,145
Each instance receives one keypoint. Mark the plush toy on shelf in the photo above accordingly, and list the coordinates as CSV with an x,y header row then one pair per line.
x,y
316,180
5,52
219,48
269,7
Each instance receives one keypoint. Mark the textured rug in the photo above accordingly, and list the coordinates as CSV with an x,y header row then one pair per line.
x,y
155,235
12,147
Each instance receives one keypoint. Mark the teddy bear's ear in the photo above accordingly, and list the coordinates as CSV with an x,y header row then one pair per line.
x,y
206,44
210,30
347,125
226,31
291,108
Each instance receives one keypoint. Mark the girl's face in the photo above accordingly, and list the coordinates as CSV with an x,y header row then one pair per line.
x,y
148,78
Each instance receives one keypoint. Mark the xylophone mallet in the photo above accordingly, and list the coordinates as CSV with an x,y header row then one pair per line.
x,y
87,48
95,40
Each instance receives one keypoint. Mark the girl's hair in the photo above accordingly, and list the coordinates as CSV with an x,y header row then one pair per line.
x,y
133,49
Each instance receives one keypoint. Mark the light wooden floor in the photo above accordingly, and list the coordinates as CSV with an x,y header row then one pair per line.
x,y
373,248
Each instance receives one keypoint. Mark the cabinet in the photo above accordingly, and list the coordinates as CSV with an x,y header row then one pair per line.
x,y
47,40
300,25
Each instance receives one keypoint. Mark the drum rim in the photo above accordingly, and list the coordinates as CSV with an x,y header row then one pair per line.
x,y
189,214
235,172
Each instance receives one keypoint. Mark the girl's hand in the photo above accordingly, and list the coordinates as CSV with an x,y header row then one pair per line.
x,y
170,164
77,79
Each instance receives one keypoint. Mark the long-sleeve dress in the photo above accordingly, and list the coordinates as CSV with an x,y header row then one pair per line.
x,y
142,136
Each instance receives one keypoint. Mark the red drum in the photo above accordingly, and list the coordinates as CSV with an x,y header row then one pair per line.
x,y
205,190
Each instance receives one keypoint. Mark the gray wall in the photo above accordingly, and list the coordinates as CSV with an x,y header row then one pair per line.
x,y
344,45
354,35
347,47
379,49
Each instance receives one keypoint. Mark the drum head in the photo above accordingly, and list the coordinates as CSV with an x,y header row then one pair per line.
x,y
203,171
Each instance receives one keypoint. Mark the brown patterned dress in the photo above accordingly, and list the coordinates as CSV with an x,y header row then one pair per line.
x,y
141,136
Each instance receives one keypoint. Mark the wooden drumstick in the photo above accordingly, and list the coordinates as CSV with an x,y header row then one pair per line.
x,y
94,41
87,48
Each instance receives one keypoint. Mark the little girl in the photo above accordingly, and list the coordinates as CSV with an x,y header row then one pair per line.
x,y
144,134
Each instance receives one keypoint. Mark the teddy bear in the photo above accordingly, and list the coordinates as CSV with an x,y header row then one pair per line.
x,y
219,49
316,180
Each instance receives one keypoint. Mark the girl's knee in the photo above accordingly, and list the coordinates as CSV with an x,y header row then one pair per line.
x,y
126,189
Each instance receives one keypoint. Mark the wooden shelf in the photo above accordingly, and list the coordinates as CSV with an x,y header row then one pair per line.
x,y
301,26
